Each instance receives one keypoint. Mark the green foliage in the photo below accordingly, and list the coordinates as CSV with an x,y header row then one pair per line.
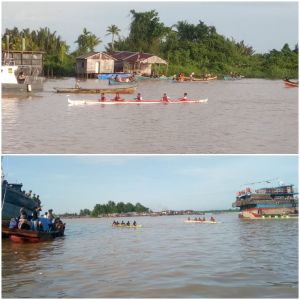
x,y
85,212
187,47
87,42
57,61
114,31
120,207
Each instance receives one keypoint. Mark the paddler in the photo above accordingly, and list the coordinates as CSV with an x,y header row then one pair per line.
x,y
117,98
102,97
139,97
212,219
165,98
184,98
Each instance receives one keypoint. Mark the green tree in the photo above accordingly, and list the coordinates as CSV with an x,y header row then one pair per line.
x,y
87,42
114,31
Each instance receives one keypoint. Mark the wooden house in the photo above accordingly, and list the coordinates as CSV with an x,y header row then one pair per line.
x,y
94,63
140,63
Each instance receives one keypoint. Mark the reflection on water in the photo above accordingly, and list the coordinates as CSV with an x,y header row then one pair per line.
x,y
248,116
165,258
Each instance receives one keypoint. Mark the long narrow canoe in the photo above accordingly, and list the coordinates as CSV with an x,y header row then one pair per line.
x,y
140,77
233,77
188,79
93,102
123,90
289,83
127,226
114,82
200,222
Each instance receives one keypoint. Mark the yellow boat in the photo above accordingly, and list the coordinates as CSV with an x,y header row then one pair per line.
x,y
127,226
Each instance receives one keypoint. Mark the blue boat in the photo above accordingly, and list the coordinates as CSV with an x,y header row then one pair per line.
x,y
111,75
114,82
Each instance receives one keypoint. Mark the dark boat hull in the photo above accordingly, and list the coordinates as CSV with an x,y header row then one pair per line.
x,y
289,83
32,86
126,90
29,236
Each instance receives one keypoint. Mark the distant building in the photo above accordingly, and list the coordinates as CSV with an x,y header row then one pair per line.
x,y
141,63
94,63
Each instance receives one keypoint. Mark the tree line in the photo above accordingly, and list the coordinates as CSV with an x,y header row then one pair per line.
x,y
187,47
111,207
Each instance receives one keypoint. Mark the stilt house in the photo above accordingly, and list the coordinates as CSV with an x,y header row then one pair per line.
x,y
141,63
94,63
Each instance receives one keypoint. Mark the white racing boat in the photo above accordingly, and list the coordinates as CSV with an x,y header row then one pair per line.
x,y
95,102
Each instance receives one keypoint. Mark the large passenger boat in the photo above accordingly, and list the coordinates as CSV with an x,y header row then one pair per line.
x,y
21,72
269,202
14,198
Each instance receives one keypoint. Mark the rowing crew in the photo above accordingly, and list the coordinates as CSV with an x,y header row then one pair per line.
x,y
123,223
212,219
139,97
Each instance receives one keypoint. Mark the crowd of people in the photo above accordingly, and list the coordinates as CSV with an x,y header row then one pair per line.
x,y
45,223
116,223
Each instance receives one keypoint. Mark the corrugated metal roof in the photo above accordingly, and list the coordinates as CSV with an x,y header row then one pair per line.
x,y
91,54
137,57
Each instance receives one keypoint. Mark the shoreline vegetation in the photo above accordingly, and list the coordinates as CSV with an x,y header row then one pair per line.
x,y
121,209
187,47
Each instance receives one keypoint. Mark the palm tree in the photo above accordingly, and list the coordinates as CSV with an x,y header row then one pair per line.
x,y
114,31
87,41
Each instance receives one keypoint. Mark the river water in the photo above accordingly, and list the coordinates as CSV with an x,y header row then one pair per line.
x,y
244,116
165,258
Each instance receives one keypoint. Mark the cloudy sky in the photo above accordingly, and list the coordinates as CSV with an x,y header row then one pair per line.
x,y
71,183
262,25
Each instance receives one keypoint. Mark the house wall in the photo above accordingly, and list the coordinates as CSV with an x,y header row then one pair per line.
x,y
88,66
127,67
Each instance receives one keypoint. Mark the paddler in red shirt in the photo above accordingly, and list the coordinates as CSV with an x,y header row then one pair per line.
x,y
184,98
118,98
102,97
165,98
139,97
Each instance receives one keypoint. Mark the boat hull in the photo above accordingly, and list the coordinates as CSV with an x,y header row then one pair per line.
x,y
268,213
29,236
111,75
140,77
127,226
21,88
199,222
290,83
232,78
114,82
90,102
125,90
